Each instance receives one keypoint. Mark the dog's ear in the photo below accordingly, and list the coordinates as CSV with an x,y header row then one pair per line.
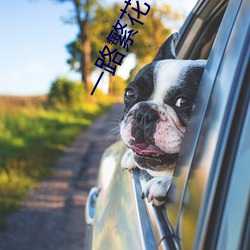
x,y
167,49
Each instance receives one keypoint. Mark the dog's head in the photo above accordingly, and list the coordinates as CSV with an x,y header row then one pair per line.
x,y
158,102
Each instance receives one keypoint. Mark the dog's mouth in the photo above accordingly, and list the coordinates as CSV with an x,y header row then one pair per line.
x,y
155,156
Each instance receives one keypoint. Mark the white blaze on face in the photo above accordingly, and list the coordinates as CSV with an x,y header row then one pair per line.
x,y
169,73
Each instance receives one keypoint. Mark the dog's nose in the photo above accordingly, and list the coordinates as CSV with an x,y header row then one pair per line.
x,y
145,117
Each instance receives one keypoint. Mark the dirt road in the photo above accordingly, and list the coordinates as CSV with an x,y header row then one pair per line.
x,y
53,218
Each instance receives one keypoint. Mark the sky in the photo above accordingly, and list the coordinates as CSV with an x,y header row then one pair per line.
x,y
32,44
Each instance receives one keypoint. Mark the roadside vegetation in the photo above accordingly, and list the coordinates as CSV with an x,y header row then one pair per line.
x,y
34,131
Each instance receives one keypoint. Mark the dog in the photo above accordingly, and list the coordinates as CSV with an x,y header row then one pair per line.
x,y
158,102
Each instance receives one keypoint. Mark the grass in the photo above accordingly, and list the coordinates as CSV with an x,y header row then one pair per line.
x,y
31,138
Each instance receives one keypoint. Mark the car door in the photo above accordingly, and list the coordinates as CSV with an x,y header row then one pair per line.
x,y
209,179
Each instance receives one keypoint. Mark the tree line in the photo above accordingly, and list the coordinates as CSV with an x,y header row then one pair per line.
x,y
95,21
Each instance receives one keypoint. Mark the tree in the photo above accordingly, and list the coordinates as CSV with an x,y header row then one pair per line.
x,y
99,29
149,38
83,16
95,23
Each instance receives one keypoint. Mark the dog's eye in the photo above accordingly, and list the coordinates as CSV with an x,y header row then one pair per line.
x,y
130,94
183,102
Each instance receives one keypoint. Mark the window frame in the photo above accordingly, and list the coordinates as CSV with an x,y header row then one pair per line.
x,y
161,225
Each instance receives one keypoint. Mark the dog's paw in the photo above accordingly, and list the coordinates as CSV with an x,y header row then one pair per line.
x,y
127,162
156,189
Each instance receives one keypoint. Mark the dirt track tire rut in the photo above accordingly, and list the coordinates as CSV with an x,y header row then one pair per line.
x,y
53,218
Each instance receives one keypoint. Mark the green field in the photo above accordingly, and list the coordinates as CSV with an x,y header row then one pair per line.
x,y
32,135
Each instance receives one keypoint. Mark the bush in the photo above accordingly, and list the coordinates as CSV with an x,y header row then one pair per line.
x,y
65,92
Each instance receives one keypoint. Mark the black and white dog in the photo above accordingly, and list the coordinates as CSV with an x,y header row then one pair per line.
x,y
158,103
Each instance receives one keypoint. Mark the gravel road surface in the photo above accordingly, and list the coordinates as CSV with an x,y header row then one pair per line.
x,y
53,218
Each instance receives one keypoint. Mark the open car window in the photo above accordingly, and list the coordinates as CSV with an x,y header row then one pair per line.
x,y
203,23
195,42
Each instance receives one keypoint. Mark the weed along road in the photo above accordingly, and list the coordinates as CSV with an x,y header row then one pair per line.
x,y
53,217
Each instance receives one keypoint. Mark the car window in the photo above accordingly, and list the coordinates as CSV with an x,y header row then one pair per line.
x,y
164,222
192,132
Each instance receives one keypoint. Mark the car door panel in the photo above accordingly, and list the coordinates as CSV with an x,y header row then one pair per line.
x,y
120,220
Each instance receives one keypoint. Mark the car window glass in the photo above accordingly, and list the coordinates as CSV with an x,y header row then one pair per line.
x,y
236,207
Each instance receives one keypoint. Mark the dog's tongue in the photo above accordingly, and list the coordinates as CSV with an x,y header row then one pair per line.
x,y
145,149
